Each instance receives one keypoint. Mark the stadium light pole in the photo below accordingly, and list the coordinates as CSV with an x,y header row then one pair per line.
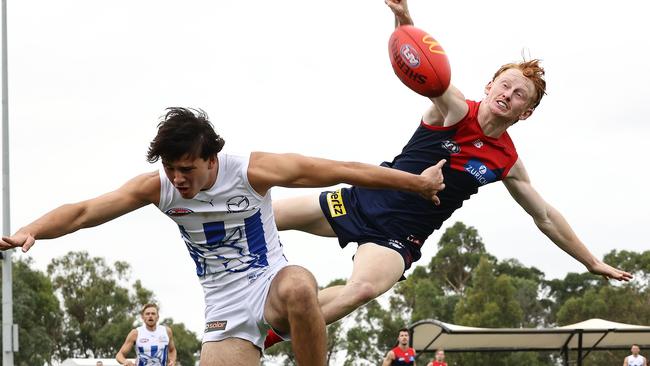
x,y
9,330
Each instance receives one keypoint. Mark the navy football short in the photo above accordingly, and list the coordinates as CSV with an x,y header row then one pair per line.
x,y
350,225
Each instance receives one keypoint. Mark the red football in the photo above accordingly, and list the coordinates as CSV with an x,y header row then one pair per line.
x,y
419,61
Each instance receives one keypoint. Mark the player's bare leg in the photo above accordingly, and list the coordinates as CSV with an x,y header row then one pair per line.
x,y
230,352
375,270
292,306
302,213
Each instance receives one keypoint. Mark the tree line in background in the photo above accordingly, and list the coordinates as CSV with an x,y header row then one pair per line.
x,y
85,307
82,308
464,284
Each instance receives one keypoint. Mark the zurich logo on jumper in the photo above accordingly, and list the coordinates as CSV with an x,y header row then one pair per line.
x,y
480,172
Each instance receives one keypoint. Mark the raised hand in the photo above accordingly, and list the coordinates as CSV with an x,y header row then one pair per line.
x,y
401,11
609,272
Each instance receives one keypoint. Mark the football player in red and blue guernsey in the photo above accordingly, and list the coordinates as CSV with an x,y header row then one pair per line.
x,y
439,360
402,354
391,226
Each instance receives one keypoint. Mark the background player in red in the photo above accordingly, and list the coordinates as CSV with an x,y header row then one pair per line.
x,y
402,354
439,359
391,226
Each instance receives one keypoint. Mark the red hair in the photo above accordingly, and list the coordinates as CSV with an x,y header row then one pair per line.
x,y
531,70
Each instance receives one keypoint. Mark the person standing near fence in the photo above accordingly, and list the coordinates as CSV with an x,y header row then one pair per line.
x,y
402,354
635,359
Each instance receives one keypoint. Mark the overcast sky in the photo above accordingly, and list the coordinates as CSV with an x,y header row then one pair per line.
x,y
89,80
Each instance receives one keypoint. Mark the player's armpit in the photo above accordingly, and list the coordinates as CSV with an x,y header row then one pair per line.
x,y
451,107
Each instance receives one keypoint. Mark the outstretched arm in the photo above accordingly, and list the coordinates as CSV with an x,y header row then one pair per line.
x,y
553,224
120,357
136,193
390,356
401,11
267,170
447,109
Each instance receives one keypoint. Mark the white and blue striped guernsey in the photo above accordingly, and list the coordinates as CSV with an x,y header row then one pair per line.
x,y
151,347
636,361
229,229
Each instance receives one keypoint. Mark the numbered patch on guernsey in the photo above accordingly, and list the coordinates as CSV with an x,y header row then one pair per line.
x,y
335,204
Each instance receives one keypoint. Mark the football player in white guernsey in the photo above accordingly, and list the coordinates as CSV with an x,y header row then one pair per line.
x,y
154,343
222,206
635,359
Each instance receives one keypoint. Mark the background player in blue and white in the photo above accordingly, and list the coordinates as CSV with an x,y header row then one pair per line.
x,y
222,206
154,343
635,359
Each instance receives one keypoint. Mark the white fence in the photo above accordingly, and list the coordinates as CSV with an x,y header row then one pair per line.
x,y
90,362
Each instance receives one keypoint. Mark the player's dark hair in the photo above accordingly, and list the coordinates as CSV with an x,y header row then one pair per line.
x,y
184,132
400,332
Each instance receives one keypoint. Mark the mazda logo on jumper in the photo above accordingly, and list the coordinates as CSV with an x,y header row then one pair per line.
x,y
237,204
